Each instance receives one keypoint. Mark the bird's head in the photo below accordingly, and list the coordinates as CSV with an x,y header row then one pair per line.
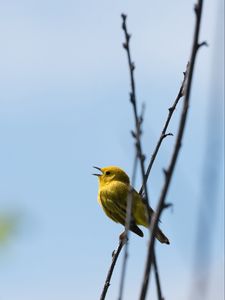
x,y
112,173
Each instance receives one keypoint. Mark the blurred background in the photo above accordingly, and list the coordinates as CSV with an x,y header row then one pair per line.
x,y
64,107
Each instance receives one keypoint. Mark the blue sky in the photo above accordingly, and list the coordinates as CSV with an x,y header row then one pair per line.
x,y
64,107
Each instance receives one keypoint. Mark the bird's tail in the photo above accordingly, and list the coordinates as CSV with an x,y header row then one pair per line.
x,y
161,237
136,229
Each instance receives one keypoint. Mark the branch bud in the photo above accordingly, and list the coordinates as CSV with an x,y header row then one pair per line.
x,y
125,45
132,66
133,134
123,16
132,98
165,172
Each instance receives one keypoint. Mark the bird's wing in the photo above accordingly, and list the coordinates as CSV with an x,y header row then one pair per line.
x,y
143,203
143,200
114,208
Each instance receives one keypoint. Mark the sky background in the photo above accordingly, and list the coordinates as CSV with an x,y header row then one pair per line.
x,y
64,107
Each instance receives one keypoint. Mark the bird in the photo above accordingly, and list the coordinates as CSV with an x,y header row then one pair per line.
x,y
114,188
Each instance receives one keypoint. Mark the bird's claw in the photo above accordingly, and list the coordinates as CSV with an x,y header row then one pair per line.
x,y
123,237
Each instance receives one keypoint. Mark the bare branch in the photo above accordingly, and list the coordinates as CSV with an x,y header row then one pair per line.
x,y
163,133
138,120
115,256
137,136
170,170
127,225
158,284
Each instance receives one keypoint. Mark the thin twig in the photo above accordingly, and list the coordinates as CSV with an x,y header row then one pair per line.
x,y
158,284
138,120
164,133
115,256
170,170
127,225
137,136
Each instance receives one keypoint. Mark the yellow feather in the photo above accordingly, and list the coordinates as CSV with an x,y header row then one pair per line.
x,y
114,187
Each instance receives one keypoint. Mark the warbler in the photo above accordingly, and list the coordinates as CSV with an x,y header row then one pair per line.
x,y
113,191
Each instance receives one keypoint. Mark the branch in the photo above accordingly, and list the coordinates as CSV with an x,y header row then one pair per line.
x,y
127,226
138,120
163,133
137,137
157,279
115,256
170,170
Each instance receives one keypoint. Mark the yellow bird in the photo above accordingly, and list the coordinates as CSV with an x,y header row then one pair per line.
x,y
114,186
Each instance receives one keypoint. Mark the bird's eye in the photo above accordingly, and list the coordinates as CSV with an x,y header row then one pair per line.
x,y
107,173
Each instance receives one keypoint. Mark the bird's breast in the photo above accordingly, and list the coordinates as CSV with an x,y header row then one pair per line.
x,y
113,190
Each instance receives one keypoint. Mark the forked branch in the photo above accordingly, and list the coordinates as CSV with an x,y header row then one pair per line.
x,y
170,170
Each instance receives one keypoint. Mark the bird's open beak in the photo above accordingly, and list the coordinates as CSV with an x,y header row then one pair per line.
x,y
99,170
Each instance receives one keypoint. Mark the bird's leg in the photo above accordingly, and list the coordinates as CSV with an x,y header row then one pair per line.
x,y
123,237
